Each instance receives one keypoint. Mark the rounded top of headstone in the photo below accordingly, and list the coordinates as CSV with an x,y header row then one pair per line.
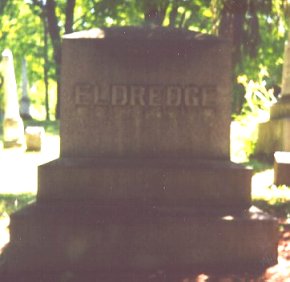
x,y
7,53
141,32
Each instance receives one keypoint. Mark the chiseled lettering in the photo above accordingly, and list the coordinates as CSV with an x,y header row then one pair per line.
x,y
137,96
119,95
173,96
98,99
192,96
84,93
155,96
204,96
209,94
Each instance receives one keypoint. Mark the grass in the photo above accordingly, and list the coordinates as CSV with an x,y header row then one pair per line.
x,y
257,165
265,195
273,199
278,209
10,203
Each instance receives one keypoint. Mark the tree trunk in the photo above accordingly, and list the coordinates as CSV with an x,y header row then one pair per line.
x,y
285,91
54,32
231,28
231,24
69,12
154,14
173,14
45,69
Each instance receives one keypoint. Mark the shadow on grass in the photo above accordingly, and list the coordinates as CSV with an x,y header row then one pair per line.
x,y
279,209
258,165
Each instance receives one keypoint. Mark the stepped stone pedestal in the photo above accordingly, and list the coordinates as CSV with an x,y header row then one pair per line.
x,y
144,182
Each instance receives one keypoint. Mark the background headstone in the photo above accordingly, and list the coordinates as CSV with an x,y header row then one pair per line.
x,y
13,129
34,136
274,135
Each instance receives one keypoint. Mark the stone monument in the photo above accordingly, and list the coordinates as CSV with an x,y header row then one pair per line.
x,y
13,129
274,135
144,181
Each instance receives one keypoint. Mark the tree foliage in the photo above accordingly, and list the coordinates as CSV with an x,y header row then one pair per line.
x,y
256,29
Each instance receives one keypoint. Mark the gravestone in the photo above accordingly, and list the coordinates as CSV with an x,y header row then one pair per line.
x,y
274,135
144,181
34,136
13,128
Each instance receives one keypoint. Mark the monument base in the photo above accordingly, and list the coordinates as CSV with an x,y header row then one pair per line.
x,y
82,237
172,182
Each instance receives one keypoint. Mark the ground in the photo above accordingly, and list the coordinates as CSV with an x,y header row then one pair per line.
x,y
19,168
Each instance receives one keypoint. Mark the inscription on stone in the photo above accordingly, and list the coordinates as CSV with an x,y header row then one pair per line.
x,y
87,94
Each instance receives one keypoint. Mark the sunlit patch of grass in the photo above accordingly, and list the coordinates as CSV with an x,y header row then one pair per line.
x,y
19,168
275,195
243,138
269,197
273,199
257,165
10,203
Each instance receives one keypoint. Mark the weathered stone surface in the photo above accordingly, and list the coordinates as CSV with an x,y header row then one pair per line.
x,y
281,109
274,135
85,237
173,182
161,93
